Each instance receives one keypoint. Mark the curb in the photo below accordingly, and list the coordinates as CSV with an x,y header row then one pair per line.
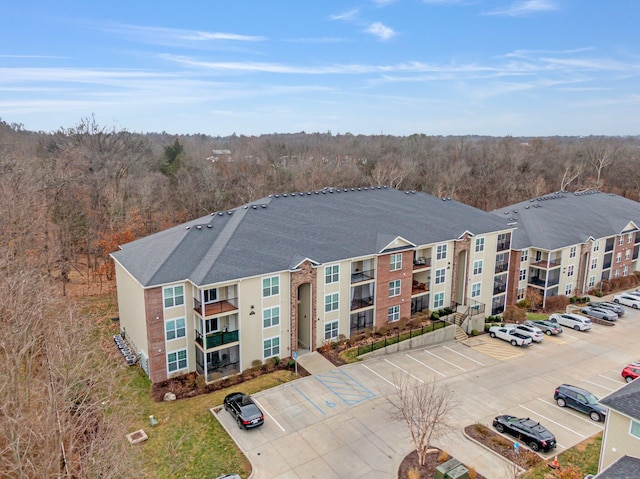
x,y
504,459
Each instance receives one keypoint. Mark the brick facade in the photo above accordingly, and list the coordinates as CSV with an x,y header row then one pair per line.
x,y
463,245
383,277
306,274
514,277
155,334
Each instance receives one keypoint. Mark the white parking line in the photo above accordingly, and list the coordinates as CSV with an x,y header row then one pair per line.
x,y
442,359
463,355
405,371
426,366
574,415
551,420
267,413
599,385
610,379
384,379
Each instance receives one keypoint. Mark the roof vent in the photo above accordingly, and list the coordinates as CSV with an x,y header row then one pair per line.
x,y
413,191
444,199
199,227
308,192
293,194
506,212
220,213
264,206
229,212
324,192
270,196
526,207
188,227
254,207
277,196
448,198
209,226
407,192
353,189
515,211
213,214
246,206
284,196
378,187
365,188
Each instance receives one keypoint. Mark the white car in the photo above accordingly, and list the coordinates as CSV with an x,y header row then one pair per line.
x,y
627,300
571,320
533,332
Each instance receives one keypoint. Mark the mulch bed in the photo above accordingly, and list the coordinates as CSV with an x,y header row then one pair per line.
x,y
427,471
524,458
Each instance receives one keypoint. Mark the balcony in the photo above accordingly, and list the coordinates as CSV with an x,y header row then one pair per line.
x,y
421,263
547,264
609,245
543,282
499,288
219,338
360,276
359,303
419,288
503,245
215,308
501,267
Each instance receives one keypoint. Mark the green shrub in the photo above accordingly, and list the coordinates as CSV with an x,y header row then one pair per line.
x,y
256,363
474,332
291,364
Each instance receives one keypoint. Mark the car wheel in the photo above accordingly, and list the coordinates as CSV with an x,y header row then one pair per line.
x,y
628,379
561,402
513,342
534,446
239,423
493,335
576,327
499,427
634,306
548,333
595,416
616,301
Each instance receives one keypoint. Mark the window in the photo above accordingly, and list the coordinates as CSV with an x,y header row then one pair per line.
x,y
177,360
618,257
592,281
523,275
479,245
394,288
572,252
210,295
173,296
477,267
594,263
175,328
395,262
331,274
271,347
630,238
521,292
271,317
634,429
616,273
620,241
568,289
393,313
524,256
475,290
438,300
440,275
330,330
627,254
441,251
596,245
330,302
569,271
625,271
270,286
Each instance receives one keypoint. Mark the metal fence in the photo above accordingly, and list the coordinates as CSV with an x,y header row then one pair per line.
x,y
380,343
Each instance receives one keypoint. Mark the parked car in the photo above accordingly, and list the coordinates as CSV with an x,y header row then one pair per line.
x,y
229,476
547,327
509,334
571,320
530,432
631,371
627,300
580,400
533,332
244,410
616,308
599,313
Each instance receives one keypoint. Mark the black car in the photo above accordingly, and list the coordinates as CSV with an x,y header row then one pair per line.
x,y
580,400
530,432
244,410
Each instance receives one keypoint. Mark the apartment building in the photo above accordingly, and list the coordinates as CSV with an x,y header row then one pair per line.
x,y
567,243
288,272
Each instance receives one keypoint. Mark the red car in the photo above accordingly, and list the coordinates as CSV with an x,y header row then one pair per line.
x,y
631,371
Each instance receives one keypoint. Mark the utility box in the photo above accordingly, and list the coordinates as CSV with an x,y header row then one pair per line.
x,y
443,469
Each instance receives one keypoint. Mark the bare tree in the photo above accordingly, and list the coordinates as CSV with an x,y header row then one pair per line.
x,y
424,407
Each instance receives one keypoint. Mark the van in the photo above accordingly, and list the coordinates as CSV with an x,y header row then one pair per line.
x,y
571,320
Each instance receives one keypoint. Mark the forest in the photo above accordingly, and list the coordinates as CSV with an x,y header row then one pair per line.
x,y
69,197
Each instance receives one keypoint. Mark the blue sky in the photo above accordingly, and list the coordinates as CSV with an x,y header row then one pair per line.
x,y
397,67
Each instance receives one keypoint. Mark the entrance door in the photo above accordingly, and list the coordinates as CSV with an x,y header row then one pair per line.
x,y
304,317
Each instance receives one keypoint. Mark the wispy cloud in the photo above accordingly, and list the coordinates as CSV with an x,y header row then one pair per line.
x,y
348,15
383,3
381,31
164,35
524,8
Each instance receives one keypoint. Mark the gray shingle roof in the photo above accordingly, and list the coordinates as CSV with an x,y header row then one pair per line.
x,y
626,467
561,219
274,233
625,400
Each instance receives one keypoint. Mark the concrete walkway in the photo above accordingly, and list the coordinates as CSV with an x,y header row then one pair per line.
x,y
315,363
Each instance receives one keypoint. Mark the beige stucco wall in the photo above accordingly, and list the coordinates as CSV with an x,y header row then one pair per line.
x,y
617,440
131,309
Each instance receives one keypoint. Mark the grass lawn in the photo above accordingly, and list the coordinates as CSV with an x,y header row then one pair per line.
x,y
537,316
577,462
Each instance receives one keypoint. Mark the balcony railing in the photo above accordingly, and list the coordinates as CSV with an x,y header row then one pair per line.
x,y
503,245
215,308
417,287
609,246
421,262
543,263
607,265
359,303
216,339
360,276
499,288
501,267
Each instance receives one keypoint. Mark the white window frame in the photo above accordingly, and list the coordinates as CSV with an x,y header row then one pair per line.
x,y
476,289
441,276
634,429
568,289
572,252
627,254
523,275
441,252
270,286
438,300
479,246
629,238
524,256
272,349
625,270
618,257
269,317
592,282
180,357
332,274
521,293
169,295
331,330
621,240
395,262
331,302
616,273
171,328
394,288
596,245
569,271
393,313
477,266
594,263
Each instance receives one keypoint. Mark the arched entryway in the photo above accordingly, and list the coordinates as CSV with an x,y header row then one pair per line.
x,y
304,315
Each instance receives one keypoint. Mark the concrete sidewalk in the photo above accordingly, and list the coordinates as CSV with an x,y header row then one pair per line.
x,y
315,363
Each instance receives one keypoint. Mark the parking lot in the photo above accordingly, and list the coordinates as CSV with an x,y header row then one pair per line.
x,y
336,424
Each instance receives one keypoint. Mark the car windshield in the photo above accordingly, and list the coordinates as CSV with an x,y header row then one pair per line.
x,y
591,399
